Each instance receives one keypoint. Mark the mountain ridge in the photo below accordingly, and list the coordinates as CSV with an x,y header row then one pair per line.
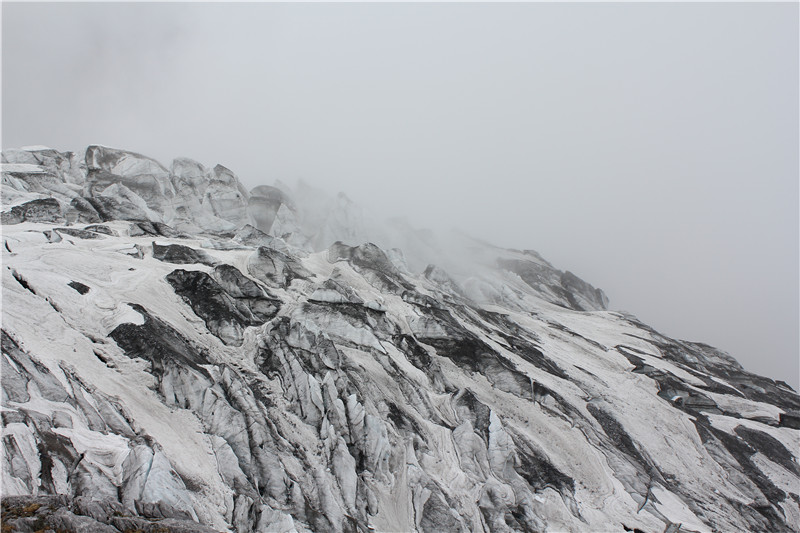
x,y
181,351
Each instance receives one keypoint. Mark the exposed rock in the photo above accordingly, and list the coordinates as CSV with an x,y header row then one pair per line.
x,y
100,228
225,312
79,233
113,208
583,296
790,420
158,229
171,348
78,286
565,288
181,255
44,210
81,210
61,513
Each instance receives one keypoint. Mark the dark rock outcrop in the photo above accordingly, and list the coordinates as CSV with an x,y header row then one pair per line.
x,y
226,309
78,286
181,255
579,292
63,514
563,288
44,210
113,208
157,342
79,233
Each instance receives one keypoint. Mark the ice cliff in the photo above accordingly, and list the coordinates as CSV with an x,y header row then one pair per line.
x,y
182,354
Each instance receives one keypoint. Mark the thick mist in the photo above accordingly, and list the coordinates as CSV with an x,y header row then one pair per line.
x,y
652,149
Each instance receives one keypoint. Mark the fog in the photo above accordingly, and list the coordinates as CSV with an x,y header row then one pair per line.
x,y
652,149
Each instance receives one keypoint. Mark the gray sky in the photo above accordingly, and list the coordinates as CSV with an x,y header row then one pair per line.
x,y
652,149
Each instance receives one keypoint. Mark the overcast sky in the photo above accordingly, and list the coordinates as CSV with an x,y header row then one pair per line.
x,y
652,149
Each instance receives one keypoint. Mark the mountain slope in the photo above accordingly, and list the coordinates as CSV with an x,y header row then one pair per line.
x,y
180,350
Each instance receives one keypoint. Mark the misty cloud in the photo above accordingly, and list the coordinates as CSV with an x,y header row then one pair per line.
x,y
650,148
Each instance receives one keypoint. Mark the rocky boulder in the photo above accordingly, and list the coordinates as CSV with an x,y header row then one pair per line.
x,y
44,210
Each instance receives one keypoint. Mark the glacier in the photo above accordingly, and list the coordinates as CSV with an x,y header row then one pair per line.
x,y
182,354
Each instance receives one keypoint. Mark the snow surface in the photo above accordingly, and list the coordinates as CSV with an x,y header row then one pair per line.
x,y
356,401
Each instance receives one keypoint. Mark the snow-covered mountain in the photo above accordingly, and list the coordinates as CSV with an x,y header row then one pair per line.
x,y
181,354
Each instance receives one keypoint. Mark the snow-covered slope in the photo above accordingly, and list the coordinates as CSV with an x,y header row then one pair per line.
x,y
179,351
